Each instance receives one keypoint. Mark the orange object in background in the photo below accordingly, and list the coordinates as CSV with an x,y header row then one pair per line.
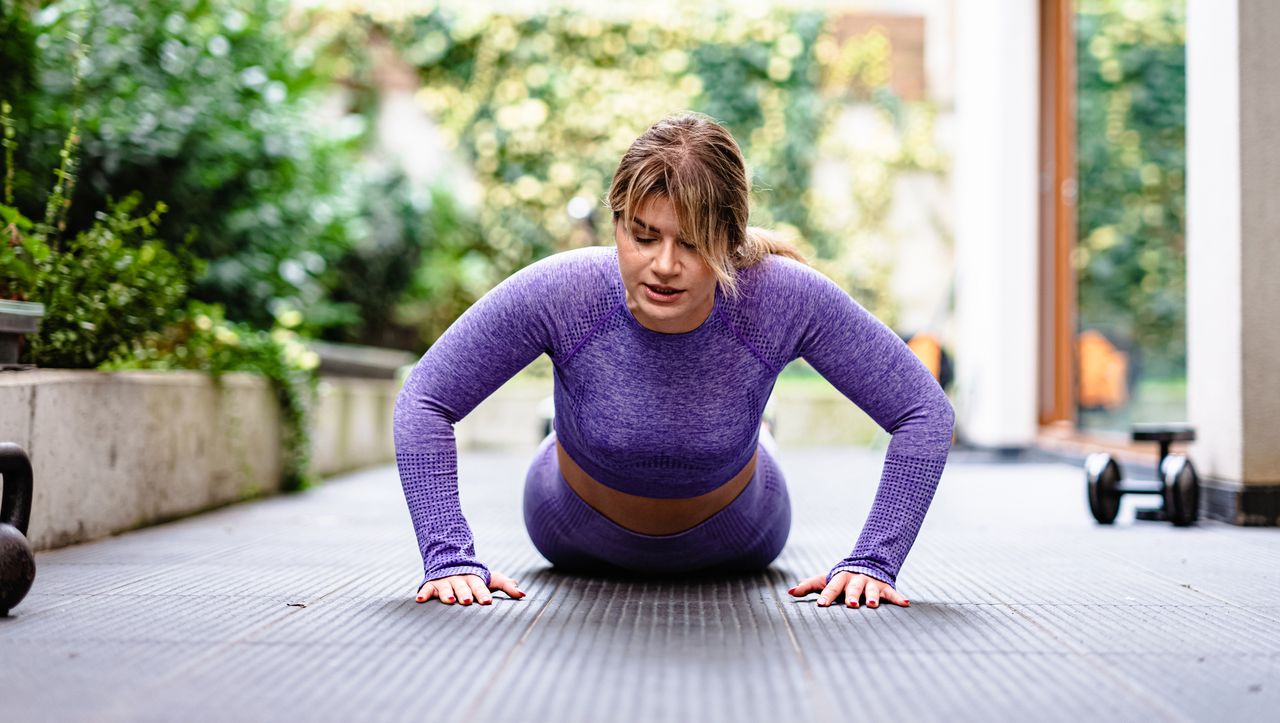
x,y
926,347
1104,370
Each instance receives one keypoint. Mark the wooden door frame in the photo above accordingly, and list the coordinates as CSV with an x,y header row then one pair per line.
x,y
1058,193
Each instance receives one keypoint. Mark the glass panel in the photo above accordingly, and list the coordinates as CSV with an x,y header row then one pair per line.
x,y
1130,258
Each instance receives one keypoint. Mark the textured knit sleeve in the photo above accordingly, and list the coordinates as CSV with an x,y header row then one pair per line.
x,y
493,340
876,370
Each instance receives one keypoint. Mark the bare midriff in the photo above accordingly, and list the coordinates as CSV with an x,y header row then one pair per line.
x,y
652,515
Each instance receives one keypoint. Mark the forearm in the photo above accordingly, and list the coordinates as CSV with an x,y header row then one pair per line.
x,y
429,480
906,490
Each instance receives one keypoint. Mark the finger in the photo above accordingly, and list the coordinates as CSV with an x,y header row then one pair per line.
x,y
426,591
445,591
853,592
478,589
501,582
873,593
804,587
831,591
461,589
895,597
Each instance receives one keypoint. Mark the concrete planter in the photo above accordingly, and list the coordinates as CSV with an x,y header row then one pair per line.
x,y
114,451
16,319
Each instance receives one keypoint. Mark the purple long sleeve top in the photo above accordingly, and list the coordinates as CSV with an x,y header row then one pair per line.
x,y
667,415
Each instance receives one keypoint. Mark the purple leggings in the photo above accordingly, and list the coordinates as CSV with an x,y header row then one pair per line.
x,y
746,535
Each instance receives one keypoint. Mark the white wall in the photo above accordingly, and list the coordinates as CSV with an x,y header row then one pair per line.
x,y
1233,238
995,181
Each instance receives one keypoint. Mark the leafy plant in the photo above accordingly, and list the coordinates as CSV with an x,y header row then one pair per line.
x,y
207,108
100,287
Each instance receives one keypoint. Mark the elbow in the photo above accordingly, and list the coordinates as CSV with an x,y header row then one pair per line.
x,y
419,416
948,420
940,421
402,418
927,429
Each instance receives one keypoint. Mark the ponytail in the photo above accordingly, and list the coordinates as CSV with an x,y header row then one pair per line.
x,y
762,241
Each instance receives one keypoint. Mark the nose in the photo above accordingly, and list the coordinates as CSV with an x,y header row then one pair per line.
x,y
665,262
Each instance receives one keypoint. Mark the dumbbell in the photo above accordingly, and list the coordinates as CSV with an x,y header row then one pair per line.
x,y
1178,486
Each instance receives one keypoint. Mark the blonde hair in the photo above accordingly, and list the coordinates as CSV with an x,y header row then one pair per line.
x,y
696,164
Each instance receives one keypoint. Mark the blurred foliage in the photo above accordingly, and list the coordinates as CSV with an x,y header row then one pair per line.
x,y
17,48
1131,257
542,108
213,109
400,234
202,339
202,106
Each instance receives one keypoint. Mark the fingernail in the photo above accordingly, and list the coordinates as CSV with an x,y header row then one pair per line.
x,y
873,605
420,598
451,599
486,602
822,601
854,604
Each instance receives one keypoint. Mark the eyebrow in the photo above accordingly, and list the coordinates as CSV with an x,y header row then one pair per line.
x,y
651,229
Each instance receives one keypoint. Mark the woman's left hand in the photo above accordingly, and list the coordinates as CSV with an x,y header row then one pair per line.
x,y
853,586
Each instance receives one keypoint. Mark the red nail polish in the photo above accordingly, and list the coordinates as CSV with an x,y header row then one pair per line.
x,y
451,599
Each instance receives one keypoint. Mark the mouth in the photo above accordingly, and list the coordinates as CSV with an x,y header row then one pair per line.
x,y
662,294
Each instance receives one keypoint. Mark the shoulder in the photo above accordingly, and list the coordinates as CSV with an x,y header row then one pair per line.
x,y
565,293
783,285
581,265
561,277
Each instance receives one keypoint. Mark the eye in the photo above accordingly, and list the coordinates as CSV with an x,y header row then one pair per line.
x,y
645,240
687,245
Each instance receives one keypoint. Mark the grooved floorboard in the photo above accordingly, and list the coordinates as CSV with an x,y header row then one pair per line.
x,y
301,607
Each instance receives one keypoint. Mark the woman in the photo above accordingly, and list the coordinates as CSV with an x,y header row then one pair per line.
x,y
665,349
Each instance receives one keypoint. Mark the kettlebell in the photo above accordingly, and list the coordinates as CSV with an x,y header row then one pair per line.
x,y
17,563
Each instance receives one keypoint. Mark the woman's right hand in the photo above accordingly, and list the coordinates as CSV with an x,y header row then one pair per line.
x,y
465,588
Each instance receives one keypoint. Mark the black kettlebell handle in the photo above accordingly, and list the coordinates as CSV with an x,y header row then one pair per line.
x,y
15,468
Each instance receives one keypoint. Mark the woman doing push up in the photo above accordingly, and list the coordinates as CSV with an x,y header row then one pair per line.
x,y
665,348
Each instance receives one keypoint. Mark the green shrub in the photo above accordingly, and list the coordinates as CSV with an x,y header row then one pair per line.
x,y
208,108
101,287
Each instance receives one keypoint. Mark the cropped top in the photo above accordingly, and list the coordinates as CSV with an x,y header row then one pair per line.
x,y
667,415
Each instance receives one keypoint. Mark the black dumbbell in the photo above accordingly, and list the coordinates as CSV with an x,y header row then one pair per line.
x,y
1179,486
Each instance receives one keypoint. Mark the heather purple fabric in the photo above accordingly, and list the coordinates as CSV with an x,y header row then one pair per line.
x,y
745,535
667,415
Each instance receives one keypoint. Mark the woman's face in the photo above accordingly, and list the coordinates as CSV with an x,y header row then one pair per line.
x,y
654,259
